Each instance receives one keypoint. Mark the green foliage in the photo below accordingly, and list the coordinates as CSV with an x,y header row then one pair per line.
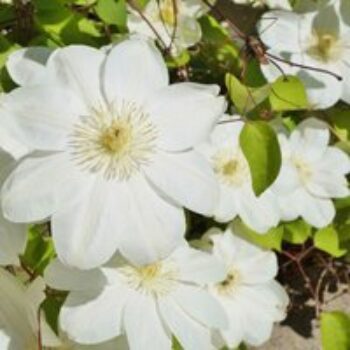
x,y
296,232
288,94
269,240
327,239
243,97
335,331
112,12
261,148
40,250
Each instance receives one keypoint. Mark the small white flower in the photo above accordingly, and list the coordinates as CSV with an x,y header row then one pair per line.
x,y
150,303
19,321
115,160
12,236
175,22
318,40
317,171
237,197
251,297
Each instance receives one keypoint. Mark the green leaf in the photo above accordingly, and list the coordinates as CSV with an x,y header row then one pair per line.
x,y
335,331
272,239
243,97
176,344
327,239
260,146
288,94
112,12
297,232
40,249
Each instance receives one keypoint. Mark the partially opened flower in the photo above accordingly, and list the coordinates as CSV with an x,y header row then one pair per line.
x,y
237,197
115,162
173,22
19,315
318,41
12,236
150,303
251,297
317,170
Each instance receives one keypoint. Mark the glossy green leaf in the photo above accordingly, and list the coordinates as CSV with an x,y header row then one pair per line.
x,y
335,331
288,94
297,232
261,148
327,239
243,97
112,12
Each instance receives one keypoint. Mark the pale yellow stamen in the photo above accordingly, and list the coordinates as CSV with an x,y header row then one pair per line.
x,y
325,47
229,285
303,168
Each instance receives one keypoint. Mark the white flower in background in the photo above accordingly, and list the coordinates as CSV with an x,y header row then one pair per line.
x,y
319,40
251,297
19,321
318,172
12,236
274,4
237,197
150,303
175,22
116,161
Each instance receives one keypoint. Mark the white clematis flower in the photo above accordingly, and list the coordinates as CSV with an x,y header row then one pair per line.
x,y
237,197
12,236
176,28
150,303
19,324
274,4
317,170
251,297
318,40
115,160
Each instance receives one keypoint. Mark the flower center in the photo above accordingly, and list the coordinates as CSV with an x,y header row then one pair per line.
x,y
229,284
324,47
303,168
231,167
114,141
157,279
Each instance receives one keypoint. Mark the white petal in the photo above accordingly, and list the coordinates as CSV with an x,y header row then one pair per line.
x,y
197,266
258,269
59,276
200,305
328,184
187,178
317,212
91,317
78,68
27,66
191,335
39,186
334,160
126,78
149,227
41,116
226,209
84,232
310,139
143,325
185,114
288,206
13,239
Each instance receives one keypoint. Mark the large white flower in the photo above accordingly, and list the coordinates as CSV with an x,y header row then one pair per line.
x,y
174,22
19,321
251,297
317,170
115,161
150,303
12,236
237,197
319,40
